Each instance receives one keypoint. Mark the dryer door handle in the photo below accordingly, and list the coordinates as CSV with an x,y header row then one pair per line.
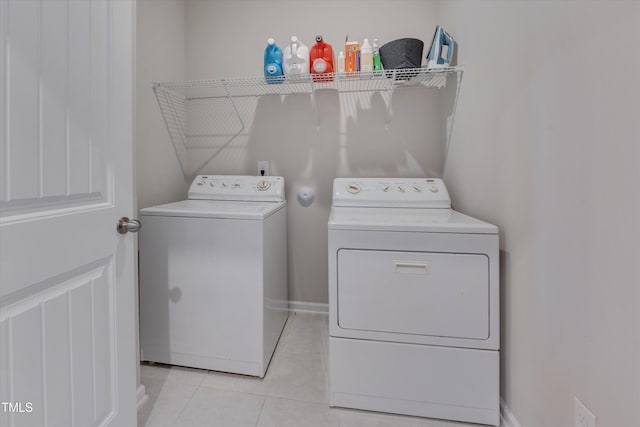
x,y
408,267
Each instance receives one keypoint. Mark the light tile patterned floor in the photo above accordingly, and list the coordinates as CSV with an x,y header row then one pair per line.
x,y
293,393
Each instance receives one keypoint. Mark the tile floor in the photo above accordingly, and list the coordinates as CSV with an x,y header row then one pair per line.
x,y
293,393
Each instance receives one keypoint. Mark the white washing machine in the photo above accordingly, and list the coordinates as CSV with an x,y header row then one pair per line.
x,y
413,302
213,275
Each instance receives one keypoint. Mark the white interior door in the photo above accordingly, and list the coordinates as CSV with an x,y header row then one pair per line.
x,y
67,334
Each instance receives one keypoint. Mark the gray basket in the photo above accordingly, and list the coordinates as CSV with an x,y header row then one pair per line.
x,y
402,53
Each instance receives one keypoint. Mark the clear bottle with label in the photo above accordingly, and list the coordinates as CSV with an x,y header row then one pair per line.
x,y
366,57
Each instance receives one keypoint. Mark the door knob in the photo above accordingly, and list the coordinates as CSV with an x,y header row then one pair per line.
x,y
126,225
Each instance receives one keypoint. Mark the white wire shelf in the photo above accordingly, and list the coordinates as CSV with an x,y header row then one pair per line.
x,y
198,113
309,83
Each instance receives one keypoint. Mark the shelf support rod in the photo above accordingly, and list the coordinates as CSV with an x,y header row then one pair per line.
x,y
235,108
459,74
234,136
392,87
167,106
314,105
211,157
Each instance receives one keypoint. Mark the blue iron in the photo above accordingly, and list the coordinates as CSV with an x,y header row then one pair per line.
x,y
440,39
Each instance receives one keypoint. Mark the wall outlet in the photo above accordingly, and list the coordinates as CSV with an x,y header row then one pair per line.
x,y
583,417
263,167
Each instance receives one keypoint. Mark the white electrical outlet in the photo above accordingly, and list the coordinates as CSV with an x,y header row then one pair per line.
x,y
583,416
263,167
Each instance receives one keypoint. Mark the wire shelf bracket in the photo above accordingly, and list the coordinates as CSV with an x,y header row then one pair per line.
x,y
176,99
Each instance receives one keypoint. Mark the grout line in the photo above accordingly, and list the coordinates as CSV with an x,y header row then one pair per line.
x,y
300,401
173,423
313,402
264,401
232,390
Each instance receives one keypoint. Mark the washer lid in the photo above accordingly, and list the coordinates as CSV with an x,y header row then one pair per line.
x,y
215,209
407,219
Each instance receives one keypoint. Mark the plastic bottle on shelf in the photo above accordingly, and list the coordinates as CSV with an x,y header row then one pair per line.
x,y
341,63
377,62
366,57
321,60
296,58
273,72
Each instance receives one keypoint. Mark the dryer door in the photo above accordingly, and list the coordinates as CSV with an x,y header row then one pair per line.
x,y
419,293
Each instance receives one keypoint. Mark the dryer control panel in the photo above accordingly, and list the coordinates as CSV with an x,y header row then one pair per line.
x,y
391,192
237,187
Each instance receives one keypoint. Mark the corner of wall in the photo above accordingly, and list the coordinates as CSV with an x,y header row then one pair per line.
x,y
507,418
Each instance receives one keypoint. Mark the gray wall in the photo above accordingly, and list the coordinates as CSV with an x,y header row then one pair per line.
x,y
546,145
160,56
160,39
227,39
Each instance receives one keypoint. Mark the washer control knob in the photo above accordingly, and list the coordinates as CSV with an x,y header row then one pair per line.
x,y
201,183
263,185
417,188
353,188
401,188
385,188
433,189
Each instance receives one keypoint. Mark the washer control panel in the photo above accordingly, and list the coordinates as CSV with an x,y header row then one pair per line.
x,y
391,192
238,187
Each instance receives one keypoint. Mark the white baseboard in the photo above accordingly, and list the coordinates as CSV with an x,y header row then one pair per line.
x,y
141,396
309,307
507,419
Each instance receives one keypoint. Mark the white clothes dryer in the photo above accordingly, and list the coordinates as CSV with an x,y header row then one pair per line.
x,y
213,275
413,302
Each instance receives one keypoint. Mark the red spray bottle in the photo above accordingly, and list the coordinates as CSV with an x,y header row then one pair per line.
x,y
321,61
